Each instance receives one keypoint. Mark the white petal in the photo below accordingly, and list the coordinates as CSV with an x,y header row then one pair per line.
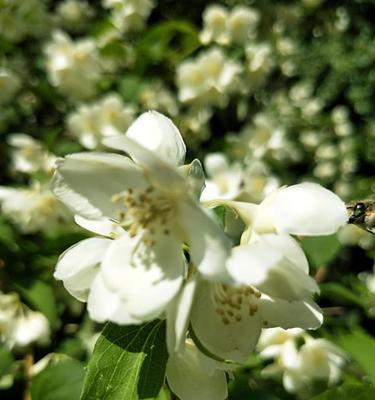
x,y
86,182
103,226
289,355
160,135
290,249
308,209
154,132
105,305
234,341
78,265
250,264
146,277
160,173
276,312
178,314
292,382
216,164
209,247
194,376
265,266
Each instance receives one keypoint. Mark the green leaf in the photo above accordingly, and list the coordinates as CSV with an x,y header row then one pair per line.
x,y
60,381
348,392
338,291
128,363
220,215
361,347
321,249
40,295
6,360
170,40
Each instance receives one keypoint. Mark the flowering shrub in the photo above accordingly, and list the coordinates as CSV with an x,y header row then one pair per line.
x,y
180,188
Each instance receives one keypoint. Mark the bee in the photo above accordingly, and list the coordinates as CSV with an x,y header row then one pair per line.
x,y
362,214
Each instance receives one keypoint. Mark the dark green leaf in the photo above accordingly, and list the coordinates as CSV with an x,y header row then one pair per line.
x,y
61,381
128,363
348,392
340,292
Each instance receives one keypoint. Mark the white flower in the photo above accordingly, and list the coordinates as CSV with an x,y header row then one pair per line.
x,y
20,326
158,97
128,15
271,286
33,209
29,155
242,23
215,25
315,359
106,117
22,18
225,180
135,276
191,375
259,62
74,14
9,85
224,27
267,138
258,180
73,67
208,79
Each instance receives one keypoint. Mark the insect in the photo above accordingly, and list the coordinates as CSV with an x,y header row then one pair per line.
x,y
362,214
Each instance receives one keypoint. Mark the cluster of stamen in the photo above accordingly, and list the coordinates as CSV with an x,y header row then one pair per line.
x,y
145,211
234,303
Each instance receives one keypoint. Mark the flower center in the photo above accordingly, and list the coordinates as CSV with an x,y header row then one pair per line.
x,y
149,210
233,304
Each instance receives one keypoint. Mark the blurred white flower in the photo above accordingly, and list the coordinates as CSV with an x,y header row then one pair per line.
x,y
215,25
352,235
74,14
33,209
129,15
29,155
208,79
224,27
258,180
133,278
242,23
192,375
224,180
315,359
259,62
90,123
369,279
10,83
158,97
20,326
73,67
265,137
21,18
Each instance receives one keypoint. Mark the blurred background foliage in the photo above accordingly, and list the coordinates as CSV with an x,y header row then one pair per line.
x,y
295,102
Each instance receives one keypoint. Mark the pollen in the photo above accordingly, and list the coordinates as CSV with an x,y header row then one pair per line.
x,y
146,212
235,304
